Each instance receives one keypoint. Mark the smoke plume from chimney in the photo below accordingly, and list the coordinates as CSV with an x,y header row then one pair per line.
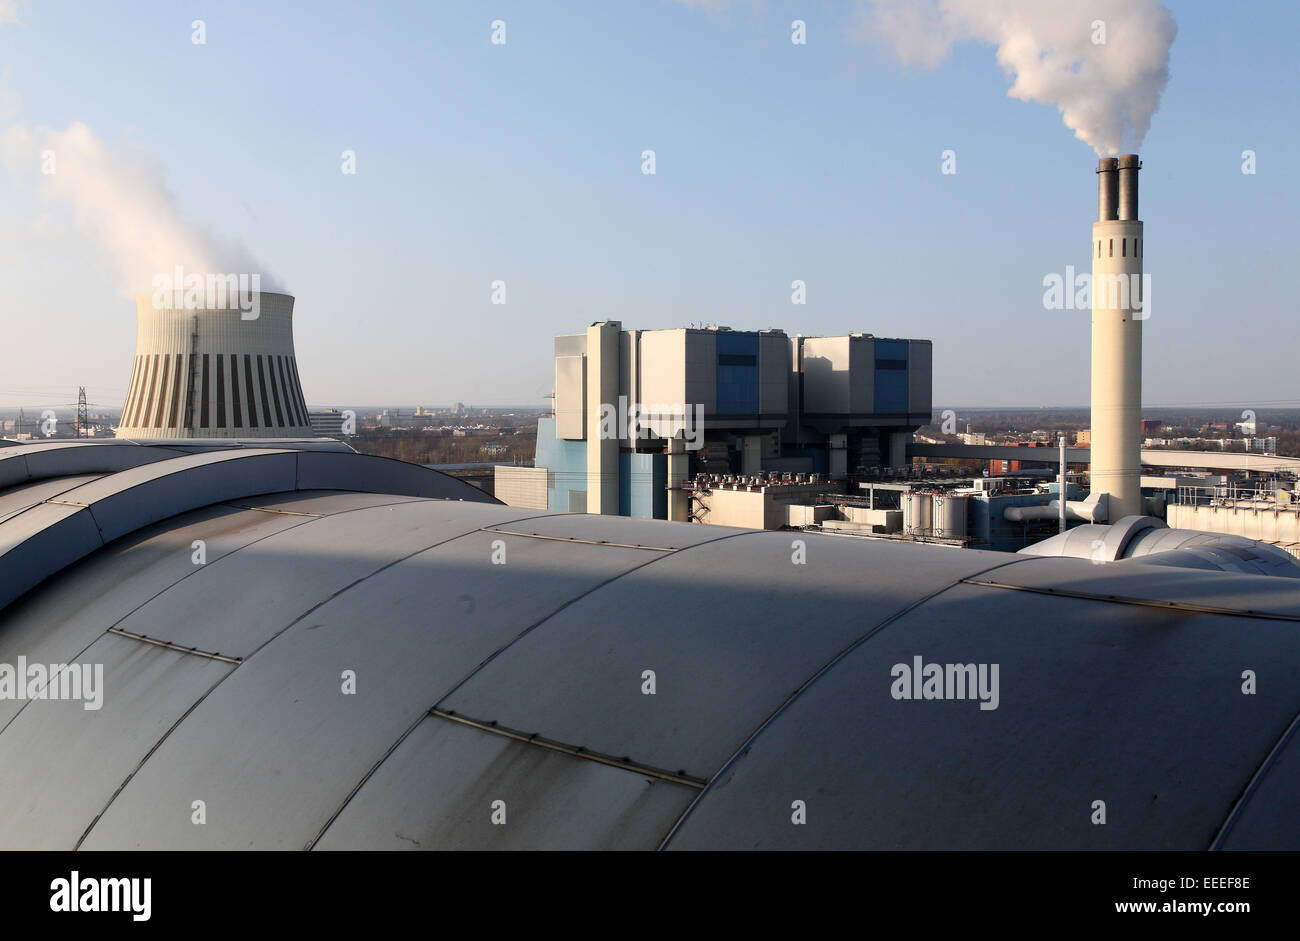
x,y
1104,63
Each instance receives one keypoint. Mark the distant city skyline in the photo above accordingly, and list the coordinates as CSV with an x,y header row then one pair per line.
x,y
522,163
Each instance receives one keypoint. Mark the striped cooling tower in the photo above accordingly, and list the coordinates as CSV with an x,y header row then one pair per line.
x,y
213,374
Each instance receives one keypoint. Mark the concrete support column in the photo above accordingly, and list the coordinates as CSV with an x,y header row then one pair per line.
x,y
898,448
678,464
602,390
839,457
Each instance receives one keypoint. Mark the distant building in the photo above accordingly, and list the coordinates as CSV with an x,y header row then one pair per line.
x,y
998,468
327,423
1151,426
1084,438
640,413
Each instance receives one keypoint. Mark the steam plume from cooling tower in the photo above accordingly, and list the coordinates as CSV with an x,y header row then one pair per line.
x,y
120,197
1106,91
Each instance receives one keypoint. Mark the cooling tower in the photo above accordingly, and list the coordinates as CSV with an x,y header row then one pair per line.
x,y
1117,312
215,373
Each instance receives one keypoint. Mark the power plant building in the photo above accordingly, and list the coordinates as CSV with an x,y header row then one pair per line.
x,y
638,413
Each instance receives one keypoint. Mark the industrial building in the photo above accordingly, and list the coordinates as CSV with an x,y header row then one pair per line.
x,y
221,640
640,413
505,706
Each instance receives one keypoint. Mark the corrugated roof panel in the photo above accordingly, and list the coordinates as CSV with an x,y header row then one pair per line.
x,y
408,634
437,790
1140,708
730,629
60,763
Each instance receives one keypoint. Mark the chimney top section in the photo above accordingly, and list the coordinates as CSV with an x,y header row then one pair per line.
x,y
1129,164
1107,189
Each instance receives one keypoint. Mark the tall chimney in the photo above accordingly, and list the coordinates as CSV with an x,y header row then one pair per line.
x,y
1118,308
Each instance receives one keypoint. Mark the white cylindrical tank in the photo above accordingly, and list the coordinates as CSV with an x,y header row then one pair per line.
x,y
950,515
215,372
917,513
1118,309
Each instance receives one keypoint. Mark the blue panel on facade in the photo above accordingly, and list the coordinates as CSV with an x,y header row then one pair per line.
x,y
642,482
737,374
565,462
891,377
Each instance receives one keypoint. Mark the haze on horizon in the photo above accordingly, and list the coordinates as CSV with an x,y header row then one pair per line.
x,y
477,162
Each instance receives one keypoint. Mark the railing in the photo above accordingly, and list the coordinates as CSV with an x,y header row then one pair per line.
x,y
1252,496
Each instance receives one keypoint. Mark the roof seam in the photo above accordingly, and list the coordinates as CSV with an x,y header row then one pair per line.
x,y
142,604
1140,602
157,744
502,649
574,751
166,735
1253,785
748,743
192,651
584,542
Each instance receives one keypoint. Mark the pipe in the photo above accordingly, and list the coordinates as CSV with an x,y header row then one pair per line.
x,y
1107,189
1091,510
1062,501
1129,164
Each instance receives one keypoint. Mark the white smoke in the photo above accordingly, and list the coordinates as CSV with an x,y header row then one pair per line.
x,y
1106,91
120,197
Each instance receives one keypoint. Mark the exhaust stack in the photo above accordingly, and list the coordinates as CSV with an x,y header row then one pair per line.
x,y
1117,312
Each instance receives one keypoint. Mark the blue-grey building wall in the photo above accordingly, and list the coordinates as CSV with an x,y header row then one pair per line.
x,y
737,374
565,462
891,385
643,479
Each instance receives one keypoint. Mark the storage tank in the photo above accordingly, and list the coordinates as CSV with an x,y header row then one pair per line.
x,y
950,515
917,513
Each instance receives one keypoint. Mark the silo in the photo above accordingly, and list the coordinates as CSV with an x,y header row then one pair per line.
x,y
917,513
215,372
950,515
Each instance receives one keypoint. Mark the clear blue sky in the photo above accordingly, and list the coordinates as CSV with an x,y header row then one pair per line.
x,y
522,163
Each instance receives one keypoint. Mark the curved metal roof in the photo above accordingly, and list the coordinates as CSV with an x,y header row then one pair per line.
x,y
500,655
